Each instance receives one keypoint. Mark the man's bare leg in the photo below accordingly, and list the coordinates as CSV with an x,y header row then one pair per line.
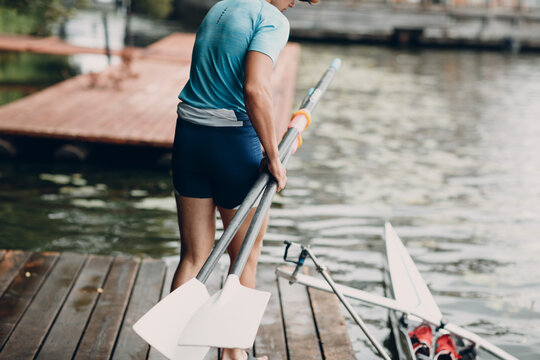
x,y
197,223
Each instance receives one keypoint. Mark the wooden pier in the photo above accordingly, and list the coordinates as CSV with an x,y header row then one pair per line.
x,y
133,103
76,306
46,45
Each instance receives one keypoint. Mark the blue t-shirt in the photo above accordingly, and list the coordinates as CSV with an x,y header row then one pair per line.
x,y
231,29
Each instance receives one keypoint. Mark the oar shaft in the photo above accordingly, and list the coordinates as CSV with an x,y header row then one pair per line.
x,y
311,101
243,210
256,224
347,305
285,149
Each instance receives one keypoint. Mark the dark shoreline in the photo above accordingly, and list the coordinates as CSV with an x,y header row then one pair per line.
x,y
339,40
405,25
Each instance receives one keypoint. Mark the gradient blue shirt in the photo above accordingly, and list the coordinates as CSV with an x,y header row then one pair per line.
x,y
231,29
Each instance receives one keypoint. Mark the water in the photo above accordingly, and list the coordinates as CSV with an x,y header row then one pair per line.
x,y
22,74
441,143
445,146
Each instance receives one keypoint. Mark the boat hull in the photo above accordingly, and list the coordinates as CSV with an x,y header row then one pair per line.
x,y
398,329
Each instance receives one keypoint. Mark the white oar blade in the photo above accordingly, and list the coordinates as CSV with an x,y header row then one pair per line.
x,y
229,319
162,325
188,352
409,287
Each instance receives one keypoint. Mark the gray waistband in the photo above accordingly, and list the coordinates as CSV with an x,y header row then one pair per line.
x,y
210,117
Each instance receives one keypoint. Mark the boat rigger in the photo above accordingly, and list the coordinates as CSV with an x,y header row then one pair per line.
x,y
411,307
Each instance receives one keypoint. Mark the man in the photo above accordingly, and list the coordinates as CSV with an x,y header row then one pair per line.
x,y
225,123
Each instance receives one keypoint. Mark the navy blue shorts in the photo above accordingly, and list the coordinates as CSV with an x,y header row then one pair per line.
x,y
215,162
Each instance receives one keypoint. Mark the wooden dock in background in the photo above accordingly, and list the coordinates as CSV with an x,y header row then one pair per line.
x,y
46,45
76,306
133,103
420,23
494,24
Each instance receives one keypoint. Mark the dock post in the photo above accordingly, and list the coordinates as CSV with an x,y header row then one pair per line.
x,y
7,149
164,160
106,32
407,36
70,152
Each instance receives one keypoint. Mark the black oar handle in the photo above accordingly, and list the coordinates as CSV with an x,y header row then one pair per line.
x,y
285,149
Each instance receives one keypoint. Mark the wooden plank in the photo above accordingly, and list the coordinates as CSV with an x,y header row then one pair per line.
x,y
48,45
270,339
330,322
100,335
302,340
21,291
146,293
68,328
11,263
38,318
153,354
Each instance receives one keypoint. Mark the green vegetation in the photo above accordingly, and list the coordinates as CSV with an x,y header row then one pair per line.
x,y
158,9
34,17
12,22
24,73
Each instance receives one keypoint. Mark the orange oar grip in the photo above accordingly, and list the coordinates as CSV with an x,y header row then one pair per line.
x,y
300,120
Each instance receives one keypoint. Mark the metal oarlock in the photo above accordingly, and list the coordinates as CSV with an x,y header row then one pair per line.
x,y
299,263
306,251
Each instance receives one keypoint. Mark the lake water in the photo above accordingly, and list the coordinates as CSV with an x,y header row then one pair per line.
x,y
444,144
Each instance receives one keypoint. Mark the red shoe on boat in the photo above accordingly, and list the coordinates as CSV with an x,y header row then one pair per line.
x,y
422,340
446,349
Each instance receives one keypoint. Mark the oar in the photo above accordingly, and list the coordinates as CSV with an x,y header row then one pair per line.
x,y
392,304
231,317
336,290
162,324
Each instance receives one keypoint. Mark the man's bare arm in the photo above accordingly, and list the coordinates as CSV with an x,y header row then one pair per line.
x,y
259,106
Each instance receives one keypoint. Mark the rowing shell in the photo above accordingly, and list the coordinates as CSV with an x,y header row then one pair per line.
x,y
408,298
407,287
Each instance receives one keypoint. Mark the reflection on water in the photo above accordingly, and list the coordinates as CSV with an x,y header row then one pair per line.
x,y
22,74
96,209
443,144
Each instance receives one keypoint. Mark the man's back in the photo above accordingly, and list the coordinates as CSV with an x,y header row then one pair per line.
x,y
229,30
